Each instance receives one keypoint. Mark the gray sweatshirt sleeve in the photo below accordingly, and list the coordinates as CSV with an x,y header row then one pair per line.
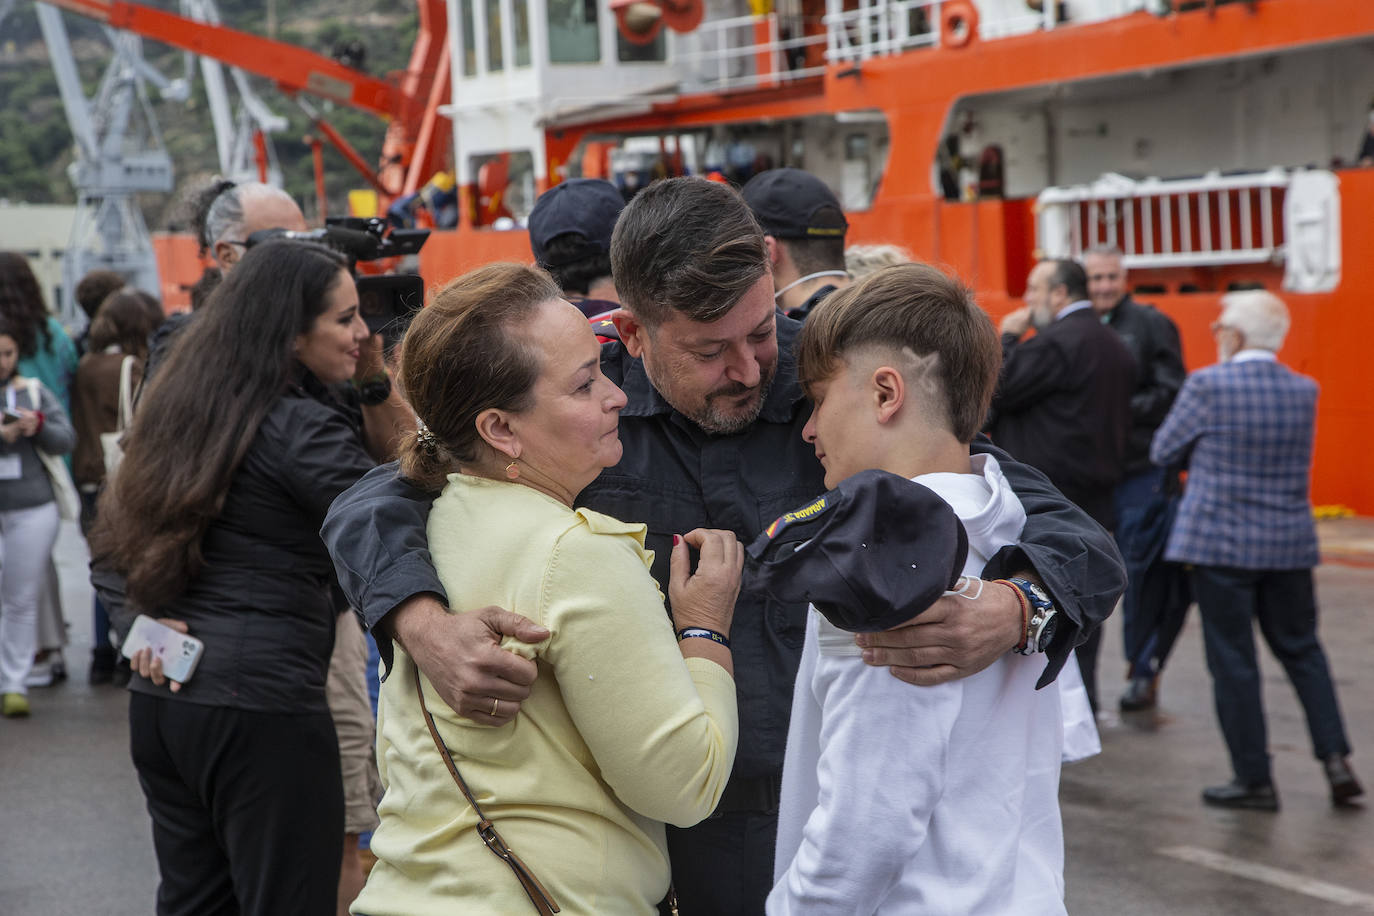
x,y
58,436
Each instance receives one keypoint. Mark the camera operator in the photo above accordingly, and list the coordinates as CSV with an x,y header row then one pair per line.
x,y
228,217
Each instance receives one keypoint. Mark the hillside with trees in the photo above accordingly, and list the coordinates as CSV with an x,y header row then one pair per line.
x,y
36,144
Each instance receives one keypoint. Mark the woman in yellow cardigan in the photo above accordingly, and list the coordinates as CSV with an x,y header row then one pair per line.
x,y
626,727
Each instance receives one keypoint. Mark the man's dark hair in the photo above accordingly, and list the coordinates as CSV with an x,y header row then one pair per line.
x,y
94,287
810,256
1070,275
686,245
575,276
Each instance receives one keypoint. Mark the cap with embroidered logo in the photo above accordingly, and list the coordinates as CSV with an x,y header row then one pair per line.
x,y
870,554
792,204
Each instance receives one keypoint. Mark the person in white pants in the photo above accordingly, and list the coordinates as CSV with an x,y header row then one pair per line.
x,y
33,420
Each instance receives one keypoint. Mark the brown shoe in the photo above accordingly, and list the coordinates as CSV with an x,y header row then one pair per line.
x,y
1141,694
1344,785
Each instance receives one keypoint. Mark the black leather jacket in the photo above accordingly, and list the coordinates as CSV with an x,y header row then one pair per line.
x,y
262,602
674,477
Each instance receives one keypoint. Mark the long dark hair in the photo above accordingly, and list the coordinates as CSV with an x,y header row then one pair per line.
x,y
21,303
200,414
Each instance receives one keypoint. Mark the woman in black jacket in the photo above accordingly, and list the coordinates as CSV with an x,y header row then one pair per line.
x,y
237,449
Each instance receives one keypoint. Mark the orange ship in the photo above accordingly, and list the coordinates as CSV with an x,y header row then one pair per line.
x,y
1216,142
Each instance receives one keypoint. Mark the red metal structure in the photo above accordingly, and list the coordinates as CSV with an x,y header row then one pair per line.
x,y
417,136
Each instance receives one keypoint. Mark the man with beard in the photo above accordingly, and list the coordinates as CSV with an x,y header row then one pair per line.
x,y
712,434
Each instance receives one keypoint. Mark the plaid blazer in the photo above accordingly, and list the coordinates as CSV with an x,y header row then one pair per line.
x,y
1245,431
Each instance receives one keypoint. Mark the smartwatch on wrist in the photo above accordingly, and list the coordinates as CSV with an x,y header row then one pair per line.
x,y
1042,622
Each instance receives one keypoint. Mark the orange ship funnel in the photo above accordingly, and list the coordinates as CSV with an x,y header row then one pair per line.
x,y
640,21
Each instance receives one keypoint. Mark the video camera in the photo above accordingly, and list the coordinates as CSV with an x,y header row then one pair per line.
x,y
387,302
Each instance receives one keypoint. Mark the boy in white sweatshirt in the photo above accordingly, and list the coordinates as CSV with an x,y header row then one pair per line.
x,y
898,800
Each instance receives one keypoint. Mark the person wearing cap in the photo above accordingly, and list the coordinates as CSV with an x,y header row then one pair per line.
x,y
804,229
712,433
570,235
897,800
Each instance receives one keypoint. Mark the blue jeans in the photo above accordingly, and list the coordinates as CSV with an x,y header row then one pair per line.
x,y
1284,604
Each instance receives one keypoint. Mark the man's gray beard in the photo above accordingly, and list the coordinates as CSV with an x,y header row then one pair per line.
x,y
718,423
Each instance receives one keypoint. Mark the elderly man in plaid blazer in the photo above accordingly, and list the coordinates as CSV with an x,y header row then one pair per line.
x,y
1245,527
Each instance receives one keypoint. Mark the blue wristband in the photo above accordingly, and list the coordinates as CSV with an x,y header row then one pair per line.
x,y
689,632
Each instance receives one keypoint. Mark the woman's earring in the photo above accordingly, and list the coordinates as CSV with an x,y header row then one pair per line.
x,y
512,471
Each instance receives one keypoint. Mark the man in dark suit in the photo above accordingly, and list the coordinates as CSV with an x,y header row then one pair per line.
x,y
1157,594
1063,404
1245,427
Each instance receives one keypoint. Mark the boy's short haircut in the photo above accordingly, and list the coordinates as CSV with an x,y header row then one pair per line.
x,y
916,308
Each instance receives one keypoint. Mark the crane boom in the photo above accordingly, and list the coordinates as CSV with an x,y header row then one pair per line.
x,y
293,69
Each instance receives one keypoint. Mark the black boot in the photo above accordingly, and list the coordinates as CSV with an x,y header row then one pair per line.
x,y
1236,794
102,665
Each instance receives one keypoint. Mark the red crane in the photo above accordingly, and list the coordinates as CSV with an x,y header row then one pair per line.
x,y
417,136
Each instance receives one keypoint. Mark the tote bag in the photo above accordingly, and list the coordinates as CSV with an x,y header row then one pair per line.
x,y
110,442
63,489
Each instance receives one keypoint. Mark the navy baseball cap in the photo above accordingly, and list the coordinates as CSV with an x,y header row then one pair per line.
x,y
792,204
870,554
587,207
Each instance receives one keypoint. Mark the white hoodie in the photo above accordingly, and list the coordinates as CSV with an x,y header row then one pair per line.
x,y
923,800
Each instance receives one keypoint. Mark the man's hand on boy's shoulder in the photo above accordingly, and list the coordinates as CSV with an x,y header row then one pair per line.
x,y
954,638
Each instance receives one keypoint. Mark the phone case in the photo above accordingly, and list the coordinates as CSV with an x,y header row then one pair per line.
x,y
179,653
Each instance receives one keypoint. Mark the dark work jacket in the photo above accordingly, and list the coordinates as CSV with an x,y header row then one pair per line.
x,y
674,477
801,312
1152,338
1063,405
261,604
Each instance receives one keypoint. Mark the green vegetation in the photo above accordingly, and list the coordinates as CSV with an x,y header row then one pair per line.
x,y
36,144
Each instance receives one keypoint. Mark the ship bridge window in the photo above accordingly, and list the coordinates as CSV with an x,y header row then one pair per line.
x,y
503,191
495,61
469,38
521,11
849,151
573,34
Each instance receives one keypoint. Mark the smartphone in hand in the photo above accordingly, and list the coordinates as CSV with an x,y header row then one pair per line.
x,y
8,416
179,653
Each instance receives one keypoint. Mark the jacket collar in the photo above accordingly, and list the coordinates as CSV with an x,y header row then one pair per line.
x,y
643,399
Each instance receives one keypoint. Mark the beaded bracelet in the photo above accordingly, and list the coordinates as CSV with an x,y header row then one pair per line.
x,y
1025,613
689,632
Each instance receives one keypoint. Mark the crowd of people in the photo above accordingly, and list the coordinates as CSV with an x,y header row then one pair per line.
x,y
715,566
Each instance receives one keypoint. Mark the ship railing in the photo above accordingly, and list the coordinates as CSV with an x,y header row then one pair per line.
x,y
748,51
877,28
1214,220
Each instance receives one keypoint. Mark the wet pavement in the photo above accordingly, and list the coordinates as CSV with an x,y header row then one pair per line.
x,y
76,840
